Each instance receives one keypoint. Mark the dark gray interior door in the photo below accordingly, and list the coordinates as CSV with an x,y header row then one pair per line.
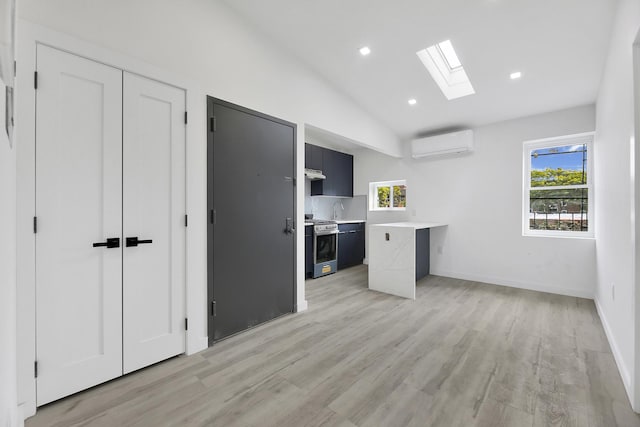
x,y
251,201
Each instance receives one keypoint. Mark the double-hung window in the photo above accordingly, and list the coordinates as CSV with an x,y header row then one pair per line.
x,y
388,195
558,193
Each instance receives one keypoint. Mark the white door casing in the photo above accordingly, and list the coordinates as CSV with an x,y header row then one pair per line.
x,y
153,209
78,203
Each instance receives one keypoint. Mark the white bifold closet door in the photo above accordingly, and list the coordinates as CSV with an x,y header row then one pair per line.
x,y
110,153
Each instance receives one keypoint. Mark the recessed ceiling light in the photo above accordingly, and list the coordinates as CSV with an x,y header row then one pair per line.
x,y
516,75
364,51
445,67
412,101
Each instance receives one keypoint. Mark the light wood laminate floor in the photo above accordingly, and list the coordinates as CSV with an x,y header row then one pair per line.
x,y
462,354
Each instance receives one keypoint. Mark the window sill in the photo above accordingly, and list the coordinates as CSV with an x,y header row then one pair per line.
x,y
388,210
588,236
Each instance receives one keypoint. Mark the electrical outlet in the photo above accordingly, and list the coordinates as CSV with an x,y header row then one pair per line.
x,y
613,291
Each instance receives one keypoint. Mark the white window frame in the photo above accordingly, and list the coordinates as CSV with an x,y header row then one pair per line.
x,y
528,147
373,194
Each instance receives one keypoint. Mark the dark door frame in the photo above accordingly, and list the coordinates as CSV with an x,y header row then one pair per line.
x,y
211,124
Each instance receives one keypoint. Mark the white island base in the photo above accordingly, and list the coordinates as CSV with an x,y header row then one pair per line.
x,y
398,256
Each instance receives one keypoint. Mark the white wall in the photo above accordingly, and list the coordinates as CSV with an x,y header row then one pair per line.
x,y
204,43
480,196
8,393
614,192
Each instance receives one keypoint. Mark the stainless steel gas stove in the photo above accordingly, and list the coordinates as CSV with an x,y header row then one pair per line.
x,y
325,247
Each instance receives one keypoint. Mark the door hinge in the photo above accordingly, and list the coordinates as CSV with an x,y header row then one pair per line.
x,y
213,125
213,308
35,369
15,68
186,324
186,220
35,224
212,216
185,118
35,80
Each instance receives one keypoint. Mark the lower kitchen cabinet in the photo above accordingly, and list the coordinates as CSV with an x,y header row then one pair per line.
x,y
422,253
308,251
350,245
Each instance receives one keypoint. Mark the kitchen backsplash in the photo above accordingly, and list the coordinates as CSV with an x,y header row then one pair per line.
x,y
323,207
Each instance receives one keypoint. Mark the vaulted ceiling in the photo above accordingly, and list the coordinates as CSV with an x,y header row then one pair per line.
x,y
560,47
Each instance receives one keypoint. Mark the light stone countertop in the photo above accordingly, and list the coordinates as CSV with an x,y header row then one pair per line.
x,y
414,225
342,221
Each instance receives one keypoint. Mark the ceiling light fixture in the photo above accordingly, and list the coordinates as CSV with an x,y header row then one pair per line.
x,y
364,51
445,67
516,75
412,101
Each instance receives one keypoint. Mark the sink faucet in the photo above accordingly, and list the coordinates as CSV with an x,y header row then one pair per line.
x,y
335,210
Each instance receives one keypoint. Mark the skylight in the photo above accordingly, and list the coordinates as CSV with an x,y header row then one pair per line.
x,y
449,54
445,67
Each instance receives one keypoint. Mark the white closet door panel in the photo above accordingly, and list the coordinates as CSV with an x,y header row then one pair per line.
x,y
154,209
78,202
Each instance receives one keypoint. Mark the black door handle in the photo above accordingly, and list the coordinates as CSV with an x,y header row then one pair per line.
x,y
112,242
133,241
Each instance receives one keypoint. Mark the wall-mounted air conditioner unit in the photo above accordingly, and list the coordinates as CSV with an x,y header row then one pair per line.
x,y
447,143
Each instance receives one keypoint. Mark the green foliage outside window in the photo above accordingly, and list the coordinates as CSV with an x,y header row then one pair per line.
x,y
399,196
384,199
556,177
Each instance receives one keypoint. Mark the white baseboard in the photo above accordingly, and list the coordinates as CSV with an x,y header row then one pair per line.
x,y
197,344
622,368
580,293
302,306
18,419
25,410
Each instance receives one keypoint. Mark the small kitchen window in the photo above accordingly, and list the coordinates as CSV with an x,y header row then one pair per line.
x,y
558,187
388,195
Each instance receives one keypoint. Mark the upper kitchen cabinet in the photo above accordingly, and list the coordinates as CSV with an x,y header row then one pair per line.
x,y
336,166
313,157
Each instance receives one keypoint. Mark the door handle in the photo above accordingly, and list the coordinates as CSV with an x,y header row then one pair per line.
x,y
112,242
133,241
289,228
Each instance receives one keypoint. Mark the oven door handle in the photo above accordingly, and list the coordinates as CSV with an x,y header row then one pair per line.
x,y
327,233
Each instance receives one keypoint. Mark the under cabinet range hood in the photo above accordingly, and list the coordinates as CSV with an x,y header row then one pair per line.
x,y
313,174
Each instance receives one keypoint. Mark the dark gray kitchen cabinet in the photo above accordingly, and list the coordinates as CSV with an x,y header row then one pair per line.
x,y
313,157
337,167
341,182
350,245
308,250
422,253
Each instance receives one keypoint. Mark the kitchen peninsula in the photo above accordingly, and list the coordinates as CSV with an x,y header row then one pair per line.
x,y
399,256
